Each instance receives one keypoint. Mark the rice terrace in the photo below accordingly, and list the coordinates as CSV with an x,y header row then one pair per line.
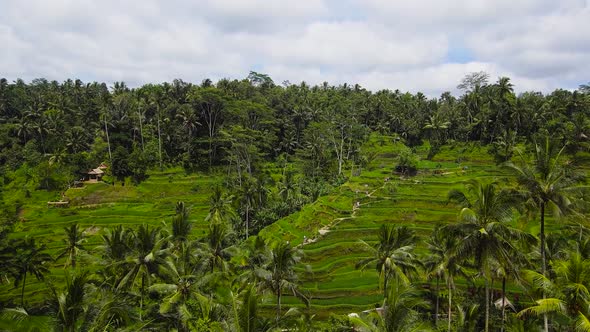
x,y
323,167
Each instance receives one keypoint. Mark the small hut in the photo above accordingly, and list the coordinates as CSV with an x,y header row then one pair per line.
x,y
504,302
95,175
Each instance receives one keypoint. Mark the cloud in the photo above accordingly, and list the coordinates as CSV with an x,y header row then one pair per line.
x,y
424,45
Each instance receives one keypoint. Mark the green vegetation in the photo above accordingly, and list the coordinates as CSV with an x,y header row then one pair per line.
x,y
247,206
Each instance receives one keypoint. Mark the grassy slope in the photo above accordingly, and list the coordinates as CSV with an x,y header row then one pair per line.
x,y
419,202
334,284
98,205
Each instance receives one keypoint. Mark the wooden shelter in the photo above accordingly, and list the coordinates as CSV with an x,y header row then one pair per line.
x,y
95,175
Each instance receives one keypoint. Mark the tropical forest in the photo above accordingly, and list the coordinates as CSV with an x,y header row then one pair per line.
x,y
248,205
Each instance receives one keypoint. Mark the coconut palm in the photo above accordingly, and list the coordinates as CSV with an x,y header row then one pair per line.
x,y
216,249
69,305
181,225
220,209
569,292
117,242
444,263
393,255
399,312
147,259
483,225
547,183
281,276
180,295
75,239
29,258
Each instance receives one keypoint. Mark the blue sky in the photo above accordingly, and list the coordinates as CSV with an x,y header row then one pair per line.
x,y
421,45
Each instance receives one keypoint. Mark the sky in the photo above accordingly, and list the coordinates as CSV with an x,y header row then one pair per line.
x,y
419,45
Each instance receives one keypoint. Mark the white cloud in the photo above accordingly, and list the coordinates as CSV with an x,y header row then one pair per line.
x,y
540,44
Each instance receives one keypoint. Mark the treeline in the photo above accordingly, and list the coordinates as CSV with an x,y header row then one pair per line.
x,y
243,122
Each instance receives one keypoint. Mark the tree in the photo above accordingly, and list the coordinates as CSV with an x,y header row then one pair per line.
x,y
215,250
220,209
444,262
399,312
486,234
181,225
74,244
281,275
547,183
120,164
569,292
181,296
393,255
147,259
29,258
210,103
437,126
71,304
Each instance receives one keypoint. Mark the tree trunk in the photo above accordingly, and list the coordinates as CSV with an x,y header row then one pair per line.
x,y
449,286
141,297
487,320
141,131
543,262
159,140
385,284
278,305
106,129
247,221
503,302
22,292
437,304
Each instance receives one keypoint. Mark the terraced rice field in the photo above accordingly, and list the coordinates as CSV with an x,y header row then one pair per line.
x,y
334,226
97,205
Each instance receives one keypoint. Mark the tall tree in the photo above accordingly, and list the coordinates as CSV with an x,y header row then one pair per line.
x,y
281,275
29,258
485,230
548,183
392,255
445,262
75,238
147,260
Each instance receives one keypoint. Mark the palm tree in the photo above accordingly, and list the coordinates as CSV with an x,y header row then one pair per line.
x,y
546,183
444,262
105,115
246,311
181,225
393,255
179,294
486,234
256,255
74,244
248,200
399,312
220,209
437,126
117,243
190,121
147,259
569,292
70,305
281,275
29,259
216,250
